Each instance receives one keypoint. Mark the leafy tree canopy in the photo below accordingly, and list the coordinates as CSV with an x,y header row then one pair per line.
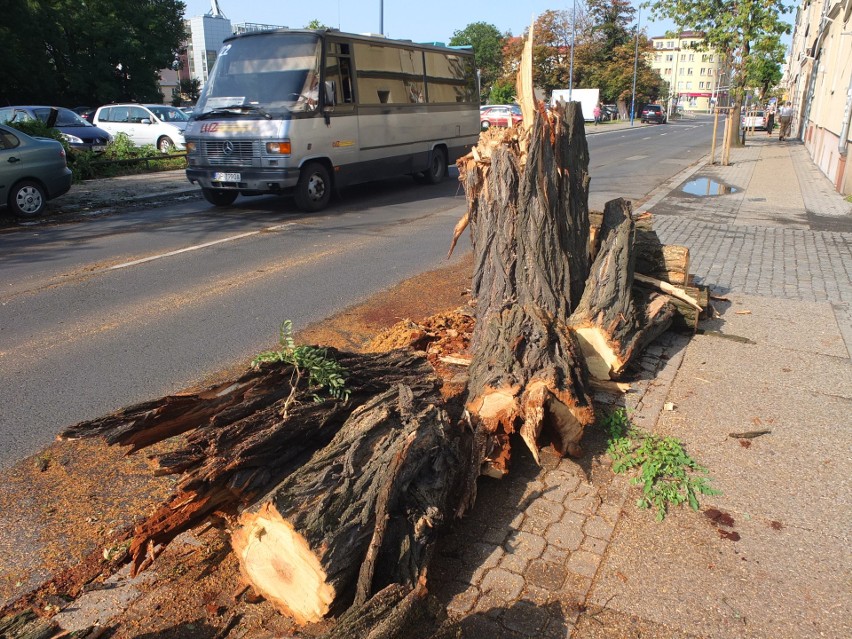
x,y
734,27
316,24
487,43
69,53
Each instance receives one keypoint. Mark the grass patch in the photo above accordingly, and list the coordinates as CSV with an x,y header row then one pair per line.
x,y
667,474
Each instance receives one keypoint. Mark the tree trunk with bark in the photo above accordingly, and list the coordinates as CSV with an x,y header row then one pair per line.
x,y
614,322
527,193
244,436
362,514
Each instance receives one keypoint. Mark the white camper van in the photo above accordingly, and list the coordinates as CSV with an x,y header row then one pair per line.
x,y
304,111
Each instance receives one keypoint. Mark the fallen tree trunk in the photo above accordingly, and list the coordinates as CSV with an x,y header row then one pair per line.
x,y
528,214
243,436
362,514
614,321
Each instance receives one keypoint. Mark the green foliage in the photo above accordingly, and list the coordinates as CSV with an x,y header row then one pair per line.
x,y
487,43
38,129
734,27
322,371
90,52
502,92
316,24
667,474
87,165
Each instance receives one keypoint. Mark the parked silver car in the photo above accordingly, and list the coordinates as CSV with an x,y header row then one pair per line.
x,y
32,171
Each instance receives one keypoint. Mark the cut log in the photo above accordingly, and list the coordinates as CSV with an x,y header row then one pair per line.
x,y
528,216
614,322
667,262
243,436
362,514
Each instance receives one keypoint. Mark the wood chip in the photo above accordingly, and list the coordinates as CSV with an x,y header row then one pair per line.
x,y
458,360
669,406
742,312
750,434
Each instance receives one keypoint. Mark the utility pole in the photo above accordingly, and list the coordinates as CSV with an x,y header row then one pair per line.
x,y
635,67
573,40
382,17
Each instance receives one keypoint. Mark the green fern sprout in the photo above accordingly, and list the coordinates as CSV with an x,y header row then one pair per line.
x,y
321,370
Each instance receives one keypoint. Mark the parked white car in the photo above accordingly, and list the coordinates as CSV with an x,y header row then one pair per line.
x,y
155,124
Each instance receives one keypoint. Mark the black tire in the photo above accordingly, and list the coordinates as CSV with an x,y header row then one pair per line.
x,y
313,191
165,144
27,198
437,170
219,197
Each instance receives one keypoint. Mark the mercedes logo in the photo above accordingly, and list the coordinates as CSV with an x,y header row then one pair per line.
x,y
228,147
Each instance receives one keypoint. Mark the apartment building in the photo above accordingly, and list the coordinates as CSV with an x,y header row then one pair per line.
x,y
694,72
818,81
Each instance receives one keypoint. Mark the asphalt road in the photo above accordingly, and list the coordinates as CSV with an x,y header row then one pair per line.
x,y
111,311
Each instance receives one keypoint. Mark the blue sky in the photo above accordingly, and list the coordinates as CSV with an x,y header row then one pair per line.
x,y
432,21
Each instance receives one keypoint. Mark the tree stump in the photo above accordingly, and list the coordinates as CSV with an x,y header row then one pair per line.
x,y
528,214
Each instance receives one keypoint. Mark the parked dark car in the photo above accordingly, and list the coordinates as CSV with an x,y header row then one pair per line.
x,y
32,171
653,113
499,115
81,135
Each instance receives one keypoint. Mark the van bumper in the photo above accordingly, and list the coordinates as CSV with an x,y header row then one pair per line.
x,y
244,179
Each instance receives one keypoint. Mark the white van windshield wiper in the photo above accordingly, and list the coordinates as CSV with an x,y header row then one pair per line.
x,y
233,109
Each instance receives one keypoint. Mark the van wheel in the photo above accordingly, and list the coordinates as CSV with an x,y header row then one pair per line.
x,y
165,144
485,125
27,199
219,197
437,170
313,191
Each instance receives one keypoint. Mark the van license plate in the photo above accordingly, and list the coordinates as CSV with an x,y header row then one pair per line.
x,y
226,177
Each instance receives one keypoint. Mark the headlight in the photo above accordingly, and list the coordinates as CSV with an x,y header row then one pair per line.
x,y
73,139
278,148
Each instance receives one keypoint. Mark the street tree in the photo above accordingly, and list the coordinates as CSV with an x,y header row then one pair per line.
x,y
735,28
487,43
763,68
84,53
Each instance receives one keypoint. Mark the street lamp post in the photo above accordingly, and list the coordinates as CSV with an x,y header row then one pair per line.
x,y
635,67
382,17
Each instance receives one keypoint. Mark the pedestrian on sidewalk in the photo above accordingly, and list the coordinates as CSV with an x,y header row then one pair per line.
x,y
597,113
785,120
770,119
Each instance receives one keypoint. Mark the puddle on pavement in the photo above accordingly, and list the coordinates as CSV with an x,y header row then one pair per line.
x,y
703,187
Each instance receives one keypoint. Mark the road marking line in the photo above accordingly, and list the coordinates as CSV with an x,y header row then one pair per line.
x,y
636,157
648,138
200,246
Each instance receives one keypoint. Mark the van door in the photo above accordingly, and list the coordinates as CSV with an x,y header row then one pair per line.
x,y
339,109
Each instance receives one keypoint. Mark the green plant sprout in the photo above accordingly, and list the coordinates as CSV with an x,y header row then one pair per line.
x,y
667,474
321,370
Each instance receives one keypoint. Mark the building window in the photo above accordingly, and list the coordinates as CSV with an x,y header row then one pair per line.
x,y
703,71
680,85
700,85
669,58
670,44
658,58
710,59
688,85
691,57
704,57
689,71
669,71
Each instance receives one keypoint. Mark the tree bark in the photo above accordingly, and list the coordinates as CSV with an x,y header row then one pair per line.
x,y
667,262
528,214
362,514
614,322
243,437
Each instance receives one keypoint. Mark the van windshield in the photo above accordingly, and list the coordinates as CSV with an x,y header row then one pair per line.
x,y
270,74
